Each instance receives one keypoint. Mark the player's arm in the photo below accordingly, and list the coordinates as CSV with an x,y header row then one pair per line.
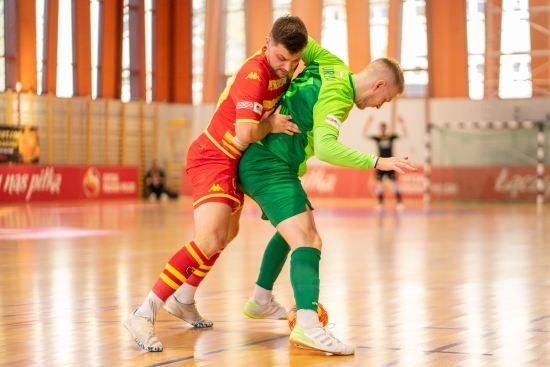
x,y
328,149
248,93
314,52
248,132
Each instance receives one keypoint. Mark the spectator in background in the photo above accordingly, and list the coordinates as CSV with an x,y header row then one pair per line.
x,y
155,179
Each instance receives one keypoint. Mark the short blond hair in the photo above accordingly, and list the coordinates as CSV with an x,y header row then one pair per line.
x,y
390,67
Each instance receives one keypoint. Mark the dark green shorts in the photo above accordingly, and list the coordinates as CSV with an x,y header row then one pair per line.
x,y
271,183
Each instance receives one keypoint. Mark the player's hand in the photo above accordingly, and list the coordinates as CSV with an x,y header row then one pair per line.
x,y
398,164
282,123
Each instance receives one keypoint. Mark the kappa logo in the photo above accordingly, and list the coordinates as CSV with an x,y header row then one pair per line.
x,y
253,76
190,270
215,188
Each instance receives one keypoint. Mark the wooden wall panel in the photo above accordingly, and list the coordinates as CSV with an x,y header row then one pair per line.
x,y
162,50
110,49
358,16
20,44
540,46
311,13
182,50
214,79
258,15
137,50
395,29
447,49
82,48
493,21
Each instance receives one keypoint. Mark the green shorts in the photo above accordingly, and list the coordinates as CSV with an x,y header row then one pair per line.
x,y
271,183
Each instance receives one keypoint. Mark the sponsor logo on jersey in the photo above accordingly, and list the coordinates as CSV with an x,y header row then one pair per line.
x,y
245,104
276,84
258,108
252,76
215,188
333,120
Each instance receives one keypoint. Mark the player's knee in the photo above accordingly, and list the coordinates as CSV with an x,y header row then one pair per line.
x,y
232,234
211,244
317,242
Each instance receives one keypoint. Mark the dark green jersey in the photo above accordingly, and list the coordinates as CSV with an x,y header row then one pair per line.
x,y
319,100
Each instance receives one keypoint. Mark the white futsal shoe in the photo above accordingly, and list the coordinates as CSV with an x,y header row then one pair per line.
x,y
143,331
186,312
319,338
273,310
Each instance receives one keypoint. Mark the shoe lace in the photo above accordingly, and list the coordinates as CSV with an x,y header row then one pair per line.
x,y
151,327
329,333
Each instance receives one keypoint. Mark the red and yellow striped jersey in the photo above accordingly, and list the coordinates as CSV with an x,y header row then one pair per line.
x,y
253,91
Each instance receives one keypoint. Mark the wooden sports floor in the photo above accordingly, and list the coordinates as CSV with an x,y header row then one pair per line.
x,y
449,285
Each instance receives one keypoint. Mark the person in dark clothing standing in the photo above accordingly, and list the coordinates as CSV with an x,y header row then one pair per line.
x,y
384,141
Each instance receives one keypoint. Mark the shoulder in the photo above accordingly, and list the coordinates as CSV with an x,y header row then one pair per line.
x,y
255,69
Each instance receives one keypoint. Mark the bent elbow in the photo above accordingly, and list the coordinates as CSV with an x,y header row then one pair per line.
x,y
323,155
244,137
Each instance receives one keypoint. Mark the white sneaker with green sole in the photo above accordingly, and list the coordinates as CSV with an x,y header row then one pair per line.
x,y
273,310
319,338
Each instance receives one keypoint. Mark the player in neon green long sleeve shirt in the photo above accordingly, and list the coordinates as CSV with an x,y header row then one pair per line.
x,y
319,101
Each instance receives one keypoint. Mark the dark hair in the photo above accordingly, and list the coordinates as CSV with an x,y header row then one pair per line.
x,y
291,32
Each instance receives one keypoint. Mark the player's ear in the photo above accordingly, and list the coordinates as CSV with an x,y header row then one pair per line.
x,y
379,84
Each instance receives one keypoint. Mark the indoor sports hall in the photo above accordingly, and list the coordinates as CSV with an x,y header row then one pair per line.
x,y
448,265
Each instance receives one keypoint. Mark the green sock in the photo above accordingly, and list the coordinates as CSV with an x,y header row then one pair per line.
x,y
304,276
273,261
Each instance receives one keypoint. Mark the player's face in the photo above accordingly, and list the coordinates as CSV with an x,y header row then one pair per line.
x,y
280,59
379,94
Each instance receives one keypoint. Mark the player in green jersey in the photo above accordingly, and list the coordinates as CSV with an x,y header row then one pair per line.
x,y
318,100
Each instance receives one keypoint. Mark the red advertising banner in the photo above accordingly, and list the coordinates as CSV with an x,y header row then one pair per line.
x,y
448,183
40,182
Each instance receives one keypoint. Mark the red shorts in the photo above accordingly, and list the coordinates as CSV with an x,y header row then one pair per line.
x,y
213,175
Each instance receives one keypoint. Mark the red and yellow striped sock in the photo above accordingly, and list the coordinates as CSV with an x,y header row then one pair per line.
x,y
178,269
202,271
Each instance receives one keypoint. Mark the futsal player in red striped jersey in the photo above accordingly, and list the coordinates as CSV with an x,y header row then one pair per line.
x,y
243,115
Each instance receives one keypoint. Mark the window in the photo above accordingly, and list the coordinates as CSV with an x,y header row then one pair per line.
x,y
515,48
475,18
414,49
235,50
378,28
148,50
199,13
280,8
64,79
334,32
125,94
39,44
94,29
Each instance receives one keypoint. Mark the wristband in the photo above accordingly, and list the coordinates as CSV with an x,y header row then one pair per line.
x,y
376,161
